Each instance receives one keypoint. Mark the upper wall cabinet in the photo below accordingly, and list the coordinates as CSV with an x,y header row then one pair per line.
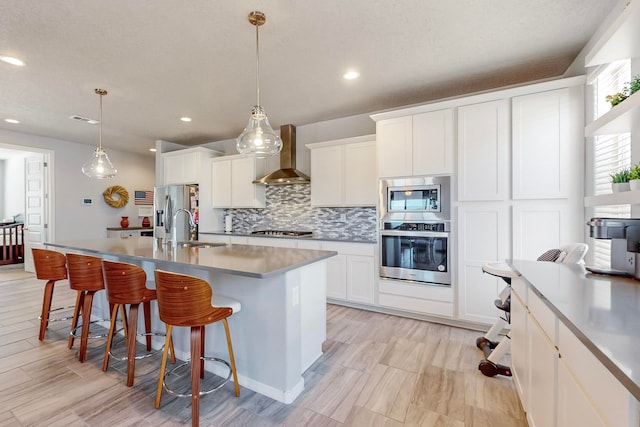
x,y
343,172
541,143
186,166
483,151
232,182
421,144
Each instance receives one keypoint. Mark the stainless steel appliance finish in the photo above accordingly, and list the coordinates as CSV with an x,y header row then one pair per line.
x,y
624,234
287,174
425,198
168,201
282,233
416,251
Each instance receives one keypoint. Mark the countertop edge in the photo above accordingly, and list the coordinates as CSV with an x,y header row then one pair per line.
x,y
307,239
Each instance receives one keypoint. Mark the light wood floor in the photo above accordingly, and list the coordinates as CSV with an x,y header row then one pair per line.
x,y
377,370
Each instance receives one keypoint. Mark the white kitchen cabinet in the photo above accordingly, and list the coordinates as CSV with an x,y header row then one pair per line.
x,y
360,279
483,151
542,142
232,182
540,226
186,166
483,236
420,144
520,345
543,359
416,297
574,406
343,172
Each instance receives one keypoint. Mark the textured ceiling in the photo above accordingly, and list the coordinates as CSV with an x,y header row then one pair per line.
x,y
161,60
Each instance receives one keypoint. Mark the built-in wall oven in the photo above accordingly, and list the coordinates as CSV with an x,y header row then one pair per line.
x,y
415,228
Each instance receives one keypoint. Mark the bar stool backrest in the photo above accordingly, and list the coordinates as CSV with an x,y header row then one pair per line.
x,y
50,265
85,272
186,300
125,283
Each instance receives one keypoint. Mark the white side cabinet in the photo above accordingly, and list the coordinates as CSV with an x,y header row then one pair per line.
x,y
483,151
186,166
232,182
420,144
343,172
351,275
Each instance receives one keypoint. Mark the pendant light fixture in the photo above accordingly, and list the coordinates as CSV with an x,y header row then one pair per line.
x,y
258,138
99,166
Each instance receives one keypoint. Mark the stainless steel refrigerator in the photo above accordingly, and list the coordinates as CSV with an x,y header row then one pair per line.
x,y
167,202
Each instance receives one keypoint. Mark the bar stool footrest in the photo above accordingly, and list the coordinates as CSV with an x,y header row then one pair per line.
x,y
75,334
142,356
53,310
202,393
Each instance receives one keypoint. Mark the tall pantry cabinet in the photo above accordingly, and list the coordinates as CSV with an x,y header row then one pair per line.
x,y
520,163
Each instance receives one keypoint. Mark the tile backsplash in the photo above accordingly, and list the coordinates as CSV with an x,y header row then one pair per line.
x,y
288,207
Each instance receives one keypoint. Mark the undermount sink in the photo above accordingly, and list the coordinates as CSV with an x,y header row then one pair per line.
x,y
196,244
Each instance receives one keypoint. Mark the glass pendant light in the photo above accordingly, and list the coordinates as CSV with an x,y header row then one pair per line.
x,y
258,138
99,166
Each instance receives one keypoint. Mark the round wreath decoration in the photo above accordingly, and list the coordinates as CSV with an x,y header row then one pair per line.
x,y
116,196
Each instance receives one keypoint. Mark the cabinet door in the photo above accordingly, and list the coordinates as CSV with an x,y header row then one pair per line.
x,y
181,168
541,145
360,181
538,227
244,193
221,184
433,143
574,407
483,151
394,142
337,277
483,237
519,348
327,171
360,279
543,359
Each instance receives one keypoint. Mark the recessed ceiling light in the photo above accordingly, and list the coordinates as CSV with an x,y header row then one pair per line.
x,y
11,60
350,75
185,119
153,150
84,119
13,121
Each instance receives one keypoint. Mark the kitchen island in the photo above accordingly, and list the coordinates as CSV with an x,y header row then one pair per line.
x,y
278,333
575,345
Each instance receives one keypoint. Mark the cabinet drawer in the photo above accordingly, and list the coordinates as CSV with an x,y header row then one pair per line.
x,y
544,316
363,249
438,308
609,396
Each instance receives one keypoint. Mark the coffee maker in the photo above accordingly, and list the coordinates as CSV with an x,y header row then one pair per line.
x,y
624,234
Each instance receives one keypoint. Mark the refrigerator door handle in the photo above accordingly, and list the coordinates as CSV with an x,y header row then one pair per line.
x,y
168,214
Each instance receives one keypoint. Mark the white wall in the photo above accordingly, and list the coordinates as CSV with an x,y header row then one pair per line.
x,y
72,220
13,193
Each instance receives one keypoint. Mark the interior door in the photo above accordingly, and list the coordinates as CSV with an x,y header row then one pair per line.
x,y
36,209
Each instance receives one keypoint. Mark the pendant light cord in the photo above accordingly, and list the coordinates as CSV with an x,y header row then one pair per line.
x,y
100,139
257,65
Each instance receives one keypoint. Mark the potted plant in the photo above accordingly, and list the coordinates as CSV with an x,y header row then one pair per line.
x,y
634,85
617,98
634,177
620,180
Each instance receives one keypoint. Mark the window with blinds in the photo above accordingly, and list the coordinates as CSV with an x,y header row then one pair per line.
x,y
610,152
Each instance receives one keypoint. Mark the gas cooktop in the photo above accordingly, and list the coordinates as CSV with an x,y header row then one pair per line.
x,y
282,233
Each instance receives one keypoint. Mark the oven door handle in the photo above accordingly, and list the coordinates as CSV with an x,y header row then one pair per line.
x,y
414,233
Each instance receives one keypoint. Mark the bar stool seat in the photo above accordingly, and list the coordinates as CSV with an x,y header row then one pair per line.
x,y
85,277
52,267
126,284
186,301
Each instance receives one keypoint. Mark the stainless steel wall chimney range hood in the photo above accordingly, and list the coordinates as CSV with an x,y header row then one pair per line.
x,y
287,174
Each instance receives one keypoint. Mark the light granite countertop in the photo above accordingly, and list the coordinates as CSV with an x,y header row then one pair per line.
x,y
602,311
242,260
315,236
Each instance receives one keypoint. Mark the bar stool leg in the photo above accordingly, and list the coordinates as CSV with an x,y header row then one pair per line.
x,y
163,365
202,352
46,306
86,323
112,329
76,314
147,322
196,352
232,359
131,342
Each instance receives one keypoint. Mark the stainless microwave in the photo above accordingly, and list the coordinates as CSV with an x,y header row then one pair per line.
x,y
418,198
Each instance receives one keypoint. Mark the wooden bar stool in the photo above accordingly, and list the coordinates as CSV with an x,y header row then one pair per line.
x,y
126,284
52,267
186,301
85,277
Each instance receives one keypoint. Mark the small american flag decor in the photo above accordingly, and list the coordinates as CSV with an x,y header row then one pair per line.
x,y
143,197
